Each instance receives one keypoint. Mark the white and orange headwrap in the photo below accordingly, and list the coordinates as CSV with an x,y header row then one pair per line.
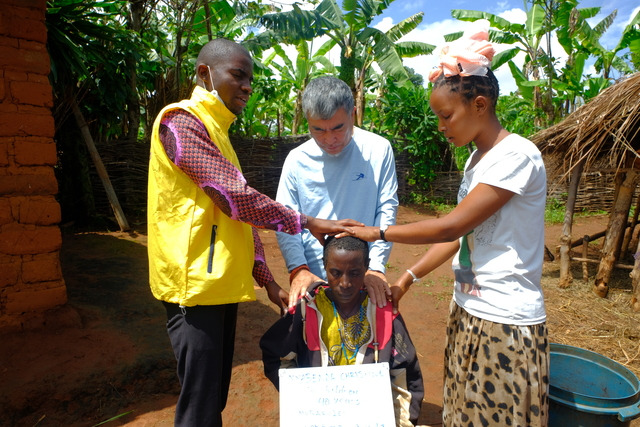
x,y
470,55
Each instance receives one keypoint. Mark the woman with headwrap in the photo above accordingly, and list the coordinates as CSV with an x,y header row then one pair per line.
x,y
497,354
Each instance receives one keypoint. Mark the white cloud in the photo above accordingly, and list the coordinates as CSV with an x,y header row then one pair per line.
x,y
432,34
515,15
385,24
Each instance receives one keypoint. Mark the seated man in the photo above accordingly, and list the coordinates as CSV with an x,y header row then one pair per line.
x,y
336,325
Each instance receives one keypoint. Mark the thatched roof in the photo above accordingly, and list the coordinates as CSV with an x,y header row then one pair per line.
x,y
605,132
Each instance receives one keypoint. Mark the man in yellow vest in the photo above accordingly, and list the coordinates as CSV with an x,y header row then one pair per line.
x,y
204,251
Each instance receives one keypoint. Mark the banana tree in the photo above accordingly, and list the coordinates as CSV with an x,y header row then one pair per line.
x,y
526,38
574,35
608,60
360,44
387,51
88,50
307,65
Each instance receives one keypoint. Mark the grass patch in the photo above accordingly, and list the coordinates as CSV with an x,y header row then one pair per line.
x,y
555,209
553,212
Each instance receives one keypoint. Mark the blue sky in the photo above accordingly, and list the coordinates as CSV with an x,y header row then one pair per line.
x,y
437,22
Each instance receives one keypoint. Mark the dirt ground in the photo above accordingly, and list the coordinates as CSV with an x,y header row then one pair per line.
x,y
113,358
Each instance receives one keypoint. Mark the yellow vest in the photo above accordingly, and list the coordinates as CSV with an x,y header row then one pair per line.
x,y
197,254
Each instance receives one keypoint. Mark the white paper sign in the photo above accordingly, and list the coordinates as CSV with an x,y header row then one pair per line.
x,y
336,396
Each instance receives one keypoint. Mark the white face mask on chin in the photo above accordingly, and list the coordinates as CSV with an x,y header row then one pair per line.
x,y
213,90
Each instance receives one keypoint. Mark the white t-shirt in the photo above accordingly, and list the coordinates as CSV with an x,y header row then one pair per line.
x,y
499,264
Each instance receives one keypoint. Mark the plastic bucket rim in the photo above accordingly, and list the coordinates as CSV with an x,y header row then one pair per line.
x,y
625,408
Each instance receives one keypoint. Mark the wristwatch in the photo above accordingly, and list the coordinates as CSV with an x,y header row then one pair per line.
x,y
383,228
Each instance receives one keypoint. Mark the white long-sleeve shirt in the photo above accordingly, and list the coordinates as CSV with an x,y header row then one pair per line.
x,y
359,183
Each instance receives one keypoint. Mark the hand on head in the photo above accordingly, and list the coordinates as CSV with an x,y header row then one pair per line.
x,y
366,233
319,228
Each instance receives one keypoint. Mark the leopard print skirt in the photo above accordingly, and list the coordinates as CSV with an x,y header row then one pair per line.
x,y
495,374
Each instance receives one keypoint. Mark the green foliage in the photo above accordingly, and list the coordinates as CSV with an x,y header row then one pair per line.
x,y
516,114
88,48
461,155
124,414
404,116
347,24
442,208
122,61
555,210
555,92
267,109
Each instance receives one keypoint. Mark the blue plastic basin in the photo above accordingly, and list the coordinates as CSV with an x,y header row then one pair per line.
x,y
590,390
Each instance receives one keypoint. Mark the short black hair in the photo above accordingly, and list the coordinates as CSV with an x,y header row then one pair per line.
x,y
348,243
471,86
219,50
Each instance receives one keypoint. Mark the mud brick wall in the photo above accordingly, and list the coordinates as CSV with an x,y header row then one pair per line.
x,y
31,282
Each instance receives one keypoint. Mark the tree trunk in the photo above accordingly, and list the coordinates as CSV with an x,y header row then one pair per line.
x,y
297,115
132,124
565,241
628,242
537,99
360,101
585,255
102,172
635,281
348,72
207,14
615,230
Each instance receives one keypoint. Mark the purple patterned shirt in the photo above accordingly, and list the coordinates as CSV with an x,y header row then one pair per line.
x,y
187,143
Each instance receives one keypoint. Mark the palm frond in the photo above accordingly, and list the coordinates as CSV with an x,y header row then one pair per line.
x,y
413,49
602,26
404,27
474,15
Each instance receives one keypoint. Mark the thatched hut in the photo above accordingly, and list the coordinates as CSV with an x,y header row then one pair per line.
x,y
603,134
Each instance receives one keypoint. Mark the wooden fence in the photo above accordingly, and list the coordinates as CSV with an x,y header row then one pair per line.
x,y
596,191
262,160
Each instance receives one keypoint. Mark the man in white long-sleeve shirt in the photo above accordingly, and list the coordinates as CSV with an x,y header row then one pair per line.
x,y
342,172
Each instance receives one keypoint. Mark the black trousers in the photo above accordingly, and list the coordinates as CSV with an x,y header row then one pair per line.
x,y
202,338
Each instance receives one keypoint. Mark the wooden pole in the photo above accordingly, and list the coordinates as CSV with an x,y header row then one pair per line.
x,y
635,280
615,231
585,255
593,237
628,242
102,172
597,261
565,240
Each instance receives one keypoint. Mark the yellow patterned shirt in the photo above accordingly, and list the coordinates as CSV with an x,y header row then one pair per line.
x,y
344,338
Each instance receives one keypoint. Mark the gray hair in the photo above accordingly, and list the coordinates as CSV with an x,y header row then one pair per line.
x,y
324,96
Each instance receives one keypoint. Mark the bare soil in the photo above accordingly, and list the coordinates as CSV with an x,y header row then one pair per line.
x,y
113,358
